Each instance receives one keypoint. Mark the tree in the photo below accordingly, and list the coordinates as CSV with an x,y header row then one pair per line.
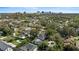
x,y
43,46
59,42
24,13
72,31
50,49
25,41
70,48
49,33
42,12
33,34
6,31
70,45
63,32
38,11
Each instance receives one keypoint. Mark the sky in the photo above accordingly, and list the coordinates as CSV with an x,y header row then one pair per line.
x,y
35,9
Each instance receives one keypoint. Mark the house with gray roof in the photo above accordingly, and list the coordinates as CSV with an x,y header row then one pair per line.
x,y
41,36
37,41
29,47
5,47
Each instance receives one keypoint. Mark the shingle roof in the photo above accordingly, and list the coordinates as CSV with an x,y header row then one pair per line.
x,y
28,47
41,36
4,46
37,41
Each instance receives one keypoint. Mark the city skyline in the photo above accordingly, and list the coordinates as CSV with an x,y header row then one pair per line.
x,y
35,9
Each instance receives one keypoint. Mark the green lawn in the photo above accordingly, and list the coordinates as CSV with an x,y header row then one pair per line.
x,y
15,42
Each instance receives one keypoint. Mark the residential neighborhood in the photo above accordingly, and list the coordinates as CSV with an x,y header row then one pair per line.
x,y
39,31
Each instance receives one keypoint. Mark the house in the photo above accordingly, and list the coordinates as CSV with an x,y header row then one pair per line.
x,y
29,47
28,28
37,41
24,34
5,47
41,36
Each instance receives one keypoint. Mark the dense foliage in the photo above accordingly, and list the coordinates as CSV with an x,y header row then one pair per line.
x,y
58,28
